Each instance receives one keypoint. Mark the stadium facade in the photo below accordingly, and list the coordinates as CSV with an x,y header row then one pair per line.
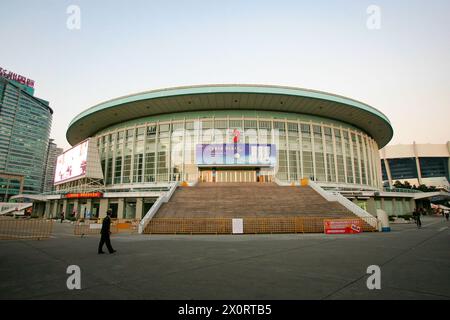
x,y
132,149
417,164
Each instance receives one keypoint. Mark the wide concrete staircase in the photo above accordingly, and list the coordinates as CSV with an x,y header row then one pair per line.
x,y
241,200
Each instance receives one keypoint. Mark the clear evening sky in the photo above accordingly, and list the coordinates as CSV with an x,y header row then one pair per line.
x,y
123,47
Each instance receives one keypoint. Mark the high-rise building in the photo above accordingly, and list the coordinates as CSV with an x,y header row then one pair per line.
x,y
50,166
25,123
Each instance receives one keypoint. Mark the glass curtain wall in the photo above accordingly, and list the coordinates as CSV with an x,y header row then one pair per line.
x,y
165,151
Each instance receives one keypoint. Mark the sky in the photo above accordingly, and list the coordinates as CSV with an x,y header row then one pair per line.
x,y
396,58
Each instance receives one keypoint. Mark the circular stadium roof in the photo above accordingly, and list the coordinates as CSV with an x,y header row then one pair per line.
x,y
230,97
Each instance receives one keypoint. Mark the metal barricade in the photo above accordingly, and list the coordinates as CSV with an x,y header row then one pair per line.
x,y
252,225
31,229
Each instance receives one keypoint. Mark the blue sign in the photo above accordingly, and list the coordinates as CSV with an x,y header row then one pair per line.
x,y
236,154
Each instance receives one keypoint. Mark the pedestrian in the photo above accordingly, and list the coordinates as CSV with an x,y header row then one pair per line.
x,y
105,234
447,214
62,216
418,221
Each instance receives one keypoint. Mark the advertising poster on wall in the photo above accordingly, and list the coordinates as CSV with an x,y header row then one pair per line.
x,y
342,226
72,163
236,154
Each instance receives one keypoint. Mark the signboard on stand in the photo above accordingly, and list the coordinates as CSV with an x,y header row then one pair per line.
x,y
341,226
238,226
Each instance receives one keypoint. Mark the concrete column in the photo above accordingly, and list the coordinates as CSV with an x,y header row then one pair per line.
x,y
139,208
89,207
371,206
394,207
66,214
412,205
75,208
448,148
47,211
120,208
416,156
54,209
103,208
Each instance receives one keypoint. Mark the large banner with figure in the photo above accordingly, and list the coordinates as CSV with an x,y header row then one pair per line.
x,y
236,154
81,161
72,163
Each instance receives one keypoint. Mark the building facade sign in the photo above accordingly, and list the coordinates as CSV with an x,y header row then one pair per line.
x,y
83,195
236,154
16,77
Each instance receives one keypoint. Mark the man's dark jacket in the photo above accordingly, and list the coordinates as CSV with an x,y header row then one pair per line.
x,y
106,225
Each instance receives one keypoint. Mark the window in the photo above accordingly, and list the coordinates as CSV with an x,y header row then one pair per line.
x,y
305,128
292,127
265,125
151,131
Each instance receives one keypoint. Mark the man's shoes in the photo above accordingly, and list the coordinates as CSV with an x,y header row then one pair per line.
x,y
113,251
101,252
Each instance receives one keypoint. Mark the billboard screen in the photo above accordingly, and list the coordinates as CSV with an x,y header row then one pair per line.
x,y
72,163
236,154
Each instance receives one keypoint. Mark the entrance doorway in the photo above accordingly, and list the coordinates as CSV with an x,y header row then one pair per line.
x,y
236,176
240,175
114,209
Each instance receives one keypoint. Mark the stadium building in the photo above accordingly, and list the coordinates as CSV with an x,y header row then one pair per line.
x,y
225,151
417,164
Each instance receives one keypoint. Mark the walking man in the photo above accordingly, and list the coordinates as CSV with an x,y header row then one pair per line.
x,y
62,216
418,221
105,233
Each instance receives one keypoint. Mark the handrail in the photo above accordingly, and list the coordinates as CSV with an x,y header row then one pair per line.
x,y
8,207
336,196
280,183
405,190
155,207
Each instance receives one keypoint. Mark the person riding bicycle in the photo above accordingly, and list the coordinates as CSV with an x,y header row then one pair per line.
x,y
416,216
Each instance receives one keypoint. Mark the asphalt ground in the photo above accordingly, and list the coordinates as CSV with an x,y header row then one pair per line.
x,y
414,264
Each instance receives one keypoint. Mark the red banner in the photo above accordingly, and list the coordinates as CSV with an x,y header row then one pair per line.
x,y
341,226
84,195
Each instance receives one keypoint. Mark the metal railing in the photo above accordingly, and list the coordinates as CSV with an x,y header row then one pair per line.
x,y
94,226
155,207
31,229
13,207
336,196
253,225
402,190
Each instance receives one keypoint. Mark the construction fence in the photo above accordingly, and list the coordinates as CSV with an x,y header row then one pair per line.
x,y
29,229
253,225
93,227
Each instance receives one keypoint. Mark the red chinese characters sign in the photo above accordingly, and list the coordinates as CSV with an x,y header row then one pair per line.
x,y
341,226
16,77
84,195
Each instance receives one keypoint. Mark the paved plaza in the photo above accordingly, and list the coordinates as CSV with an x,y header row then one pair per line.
x,y
415,264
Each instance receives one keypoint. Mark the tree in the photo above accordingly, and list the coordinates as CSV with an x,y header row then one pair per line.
x,y
398,184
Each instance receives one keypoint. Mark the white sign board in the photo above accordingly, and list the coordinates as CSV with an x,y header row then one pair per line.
x,y
238,226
